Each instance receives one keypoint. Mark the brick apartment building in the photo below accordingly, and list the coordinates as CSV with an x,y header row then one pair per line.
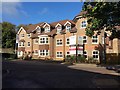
x,y
53,40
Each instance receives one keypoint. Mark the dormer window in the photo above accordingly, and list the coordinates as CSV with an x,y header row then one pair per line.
x,y
47,29
59,28
68,28
38,30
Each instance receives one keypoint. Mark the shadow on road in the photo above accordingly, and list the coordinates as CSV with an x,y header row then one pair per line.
x,y
34,74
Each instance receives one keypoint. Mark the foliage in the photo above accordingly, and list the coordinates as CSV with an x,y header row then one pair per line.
x,y
70,58
89,32
22,25
9,56
81,58
8,35
101,15
90,59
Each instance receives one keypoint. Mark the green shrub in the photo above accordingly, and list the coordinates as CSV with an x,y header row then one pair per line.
x,y
9,55
90,59
70,59
81,58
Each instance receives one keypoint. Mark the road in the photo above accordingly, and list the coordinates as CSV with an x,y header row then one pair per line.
x,y
36,74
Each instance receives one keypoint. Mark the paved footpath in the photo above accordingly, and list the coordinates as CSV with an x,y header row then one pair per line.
x,y
93,68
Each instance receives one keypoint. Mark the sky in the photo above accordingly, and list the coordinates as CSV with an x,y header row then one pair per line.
x,y
35,12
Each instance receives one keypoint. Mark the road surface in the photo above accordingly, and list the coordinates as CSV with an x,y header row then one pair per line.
x,y
36,74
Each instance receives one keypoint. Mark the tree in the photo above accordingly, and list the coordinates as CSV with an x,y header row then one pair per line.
x,y
8,35
102,15
22,25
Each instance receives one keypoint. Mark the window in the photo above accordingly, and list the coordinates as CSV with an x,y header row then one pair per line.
x,y
95,54
84,39
84,24
28,35
67,41
43,40
68,53
44,52
94,39
46,40
85,54
19,43
59,42
59,29
19,53
22,35
36,41
22,44
59,54
47,29
28,43
38,30
68,28
36,52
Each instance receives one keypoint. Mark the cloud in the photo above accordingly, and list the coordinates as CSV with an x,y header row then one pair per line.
x,y
13,9
43,11
24,13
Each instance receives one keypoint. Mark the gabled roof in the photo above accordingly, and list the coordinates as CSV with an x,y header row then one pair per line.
x,y
73,30
33,27
62,22
82,13
51,33
79,15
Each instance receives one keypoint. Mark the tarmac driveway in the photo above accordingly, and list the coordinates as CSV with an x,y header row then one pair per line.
x,y
36,74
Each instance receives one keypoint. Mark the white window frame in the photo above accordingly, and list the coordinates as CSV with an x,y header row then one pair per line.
x,y
68,28
95,39
67,53
86,53
67,41
38,29
35,52
59,28
21,44
95,54
84,23
46,40
20,53
59,41
45,53
29,35
22,35
84,39
58,54
27,44
35,41
47,29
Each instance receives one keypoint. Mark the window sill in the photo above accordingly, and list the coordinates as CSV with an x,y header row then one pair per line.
x,y
95,43
59,45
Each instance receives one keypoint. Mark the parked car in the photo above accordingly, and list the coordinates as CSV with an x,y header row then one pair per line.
x,y
110,67
117,68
